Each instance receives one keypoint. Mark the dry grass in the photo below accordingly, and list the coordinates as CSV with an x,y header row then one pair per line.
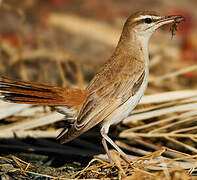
x,y
99,169
161,130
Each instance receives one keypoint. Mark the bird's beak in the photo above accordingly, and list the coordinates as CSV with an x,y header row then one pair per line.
x,y
170,19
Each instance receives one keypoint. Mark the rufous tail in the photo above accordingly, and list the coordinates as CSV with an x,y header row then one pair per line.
x,y
18,91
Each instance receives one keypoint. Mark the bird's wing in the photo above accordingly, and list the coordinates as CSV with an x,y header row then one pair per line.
x,y
102,100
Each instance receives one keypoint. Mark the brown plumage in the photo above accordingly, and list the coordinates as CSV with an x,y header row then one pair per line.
x,y
19,91
113,92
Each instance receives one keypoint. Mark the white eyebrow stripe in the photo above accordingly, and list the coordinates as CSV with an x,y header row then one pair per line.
x,y
146,16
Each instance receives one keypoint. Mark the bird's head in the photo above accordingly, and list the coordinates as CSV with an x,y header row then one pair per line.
x,y
144,23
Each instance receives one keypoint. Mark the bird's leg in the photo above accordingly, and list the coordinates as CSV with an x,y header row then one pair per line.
x,y
107,150
104,131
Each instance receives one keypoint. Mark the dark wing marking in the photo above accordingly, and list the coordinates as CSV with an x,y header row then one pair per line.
x,y
102,101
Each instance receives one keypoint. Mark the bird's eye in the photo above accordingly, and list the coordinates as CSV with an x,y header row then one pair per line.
x,y
148,20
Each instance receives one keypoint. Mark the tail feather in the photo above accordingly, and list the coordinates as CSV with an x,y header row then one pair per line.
x,y
19,91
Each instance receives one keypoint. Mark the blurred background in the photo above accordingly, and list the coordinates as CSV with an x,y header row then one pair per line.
x,y
63,43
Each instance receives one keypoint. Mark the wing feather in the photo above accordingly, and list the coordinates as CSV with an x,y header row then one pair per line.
x,y
104,98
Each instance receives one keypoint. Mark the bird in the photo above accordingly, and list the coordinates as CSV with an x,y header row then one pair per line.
x,y
111,95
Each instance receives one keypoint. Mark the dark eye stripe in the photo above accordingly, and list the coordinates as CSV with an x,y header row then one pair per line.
x,y
148,20
145,20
